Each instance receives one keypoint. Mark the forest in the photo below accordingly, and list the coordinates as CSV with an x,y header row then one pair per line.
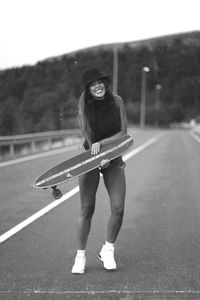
x,y
44,96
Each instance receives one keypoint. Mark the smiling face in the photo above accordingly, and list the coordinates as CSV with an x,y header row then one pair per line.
x,y
97,89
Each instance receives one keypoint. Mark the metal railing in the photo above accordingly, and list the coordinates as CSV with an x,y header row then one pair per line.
x,y
9,144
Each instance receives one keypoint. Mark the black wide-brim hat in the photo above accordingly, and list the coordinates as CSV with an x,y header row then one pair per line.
x,y
93,75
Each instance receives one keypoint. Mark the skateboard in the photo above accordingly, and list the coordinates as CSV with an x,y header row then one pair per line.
x,y
80,164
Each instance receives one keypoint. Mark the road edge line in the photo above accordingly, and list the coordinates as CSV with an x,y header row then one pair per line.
x,y
37,215
38,155
195,136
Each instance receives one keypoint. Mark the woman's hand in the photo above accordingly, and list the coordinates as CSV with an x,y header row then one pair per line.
x,y
95,148
105,163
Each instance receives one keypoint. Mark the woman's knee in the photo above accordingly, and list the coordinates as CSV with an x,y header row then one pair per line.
x,y
87,211
118,210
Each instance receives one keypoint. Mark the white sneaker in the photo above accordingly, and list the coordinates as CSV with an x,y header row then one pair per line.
x,y
79,266
106,255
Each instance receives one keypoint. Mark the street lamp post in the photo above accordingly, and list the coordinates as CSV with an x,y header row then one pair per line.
x,y
143,96
115,69
157,103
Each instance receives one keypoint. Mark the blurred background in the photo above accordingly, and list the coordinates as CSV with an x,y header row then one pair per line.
x,y
151,51
44,96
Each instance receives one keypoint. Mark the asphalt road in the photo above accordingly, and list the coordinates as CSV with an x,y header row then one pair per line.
x,y
158,248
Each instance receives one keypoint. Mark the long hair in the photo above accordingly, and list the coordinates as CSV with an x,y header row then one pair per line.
x,y
83,118
83,113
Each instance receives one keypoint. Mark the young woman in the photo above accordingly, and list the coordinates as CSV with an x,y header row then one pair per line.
x,y
102,119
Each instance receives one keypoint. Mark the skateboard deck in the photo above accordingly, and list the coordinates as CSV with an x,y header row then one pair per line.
x,y
81,163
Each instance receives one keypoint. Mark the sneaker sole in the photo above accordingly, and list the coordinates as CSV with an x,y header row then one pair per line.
x,y
80,273
113,269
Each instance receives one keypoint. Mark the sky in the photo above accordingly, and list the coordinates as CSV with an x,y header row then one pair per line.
x,y
33,30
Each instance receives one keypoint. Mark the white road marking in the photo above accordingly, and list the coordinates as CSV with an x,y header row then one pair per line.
x,y
5,236
37,215
101,292
38,155
195,136
142,147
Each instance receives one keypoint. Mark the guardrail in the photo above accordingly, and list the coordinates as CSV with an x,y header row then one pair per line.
x,y
10,145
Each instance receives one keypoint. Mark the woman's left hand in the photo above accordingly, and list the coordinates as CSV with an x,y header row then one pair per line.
x,y
105,163
95,148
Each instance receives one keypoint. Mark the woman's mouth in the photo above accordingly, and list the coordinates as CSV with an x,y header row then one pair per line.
x,y
99,90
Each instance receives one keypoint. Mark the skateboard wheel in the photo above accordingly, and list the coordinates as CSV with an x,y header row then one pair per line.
x,y
57,194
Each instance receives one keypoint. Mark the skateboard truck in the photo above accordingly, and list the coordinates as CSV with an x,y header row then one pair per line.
x,y
57,194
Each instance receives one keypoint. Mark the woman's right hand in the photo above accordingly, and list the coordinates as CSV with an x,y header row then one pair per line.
x,y
95,148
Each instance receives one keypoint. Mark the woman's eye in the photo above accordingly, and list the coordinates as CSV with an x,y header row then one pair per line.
x,y
96,83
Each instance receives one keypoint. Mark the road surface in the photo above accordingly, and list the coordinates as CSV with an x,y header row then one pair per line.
x,y
158,248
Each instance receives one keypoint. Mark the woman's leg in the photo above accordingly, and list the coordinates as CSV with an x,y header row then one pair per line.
x,y
114,179
88,184
115,182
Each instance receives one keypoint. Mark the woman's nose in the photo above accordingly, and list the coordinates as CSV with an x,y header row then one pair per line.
x,y
97,84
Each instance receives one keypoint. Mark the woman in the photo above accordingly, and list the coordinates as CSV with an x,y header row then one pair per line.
x,y
102,118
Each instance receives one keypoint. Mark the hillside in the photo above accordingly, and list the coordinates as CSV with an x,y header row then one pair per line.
x,y
44,96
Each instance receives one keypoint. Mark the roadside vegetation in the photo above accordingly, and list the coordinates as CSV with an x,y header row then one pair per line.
x,y
44,97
